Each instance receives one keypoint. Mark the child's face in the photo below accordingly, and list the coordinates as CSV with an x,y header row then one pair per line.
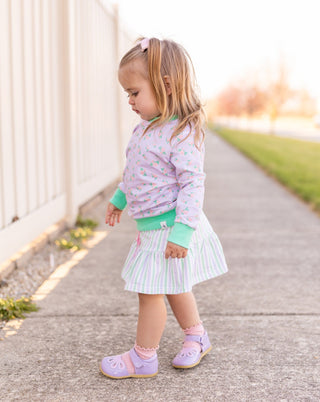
x,y
141,97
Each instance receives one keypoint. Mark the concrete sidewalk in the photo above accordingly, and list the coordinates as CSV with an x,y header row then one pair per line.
x,y
263,316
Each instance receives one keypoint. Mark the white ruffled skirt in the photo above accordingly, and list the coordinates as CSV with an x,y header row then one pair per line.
x,y
146,269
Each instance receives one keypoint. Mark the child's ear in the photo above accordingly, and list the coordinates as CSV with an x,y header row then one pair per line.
x,y
167,84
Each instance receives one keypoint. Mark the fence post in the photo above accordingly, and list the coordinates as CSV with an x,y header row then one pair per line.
x,y
69,103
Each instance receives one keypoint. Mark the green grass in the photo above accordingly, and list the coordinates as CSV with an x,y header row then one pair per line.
x,y
295,163
75,238
10,308
86,223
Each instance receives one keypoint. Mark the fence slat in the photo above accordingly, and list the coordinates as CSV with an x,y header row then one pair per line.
x,y
18,95
40,137
27,7
6,117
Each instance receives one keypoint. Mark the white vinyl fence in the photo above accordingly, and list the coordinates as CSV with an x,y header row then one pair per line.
x,y
63,122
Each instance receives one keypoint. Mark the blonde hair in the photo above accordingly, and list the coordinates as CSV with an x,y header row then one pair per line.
x,y
168,60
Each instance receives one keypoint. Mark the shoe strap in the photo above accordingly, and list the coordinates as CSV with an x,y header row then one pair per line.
x,y
136,360
192,345
195,338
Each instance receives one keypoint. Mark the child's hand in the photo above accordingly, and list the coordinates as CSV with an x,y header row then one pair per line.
x,y
175,251
113,214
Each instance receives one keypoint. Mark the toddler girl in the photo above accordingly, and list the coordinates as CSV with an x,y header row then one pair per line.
x,y
163,185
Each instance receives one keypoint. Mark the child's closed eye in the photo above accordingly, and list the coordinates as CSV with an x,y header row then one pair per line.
x,y
133,94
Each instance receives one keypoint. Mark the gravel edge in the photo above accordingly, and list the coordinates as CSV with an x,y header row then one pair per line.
x,y
25,280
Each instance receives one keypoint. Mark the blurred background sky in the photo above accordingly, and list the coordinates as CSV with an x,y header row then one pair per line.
x,y
230,40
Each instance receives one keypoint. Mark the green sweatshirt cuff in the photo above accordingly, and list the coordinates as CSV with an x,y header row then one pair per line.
x,y
119,199
181,234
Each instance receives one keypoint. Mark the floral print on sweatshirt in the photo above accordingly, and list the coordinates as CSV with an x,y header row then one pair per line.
x,y
161,175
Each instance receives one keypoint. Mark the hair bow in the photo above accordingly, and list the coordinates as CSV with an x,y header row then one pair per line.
x,y
144,44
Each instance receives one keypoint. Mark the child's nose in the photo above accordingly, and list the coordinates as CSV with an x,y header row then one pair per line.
x,y
131,101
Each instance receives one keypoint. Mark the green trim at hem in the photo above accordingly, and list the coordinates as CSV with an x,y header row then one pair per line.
x,y
157,222
119,199
181,234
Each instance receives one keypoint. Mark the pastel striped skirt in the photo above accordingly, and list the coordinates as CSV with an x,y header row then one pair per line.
x,y
146,269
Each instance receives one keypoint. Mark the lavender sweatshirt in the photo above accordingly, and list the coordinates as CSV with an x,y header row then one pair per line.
x,y
163,181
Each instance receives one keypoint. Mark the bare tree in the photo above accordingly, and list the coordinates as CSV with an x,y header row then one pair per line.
x,y
229,101
254,100
278,92
267,92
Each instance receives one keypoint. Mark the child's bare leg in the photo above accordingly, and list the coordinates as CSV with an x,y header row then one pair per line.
x,y
185,309
151,321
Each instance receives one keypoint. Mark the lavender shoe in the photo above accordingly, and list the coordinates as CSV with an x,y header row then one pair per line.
x,y
190,357
114,366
